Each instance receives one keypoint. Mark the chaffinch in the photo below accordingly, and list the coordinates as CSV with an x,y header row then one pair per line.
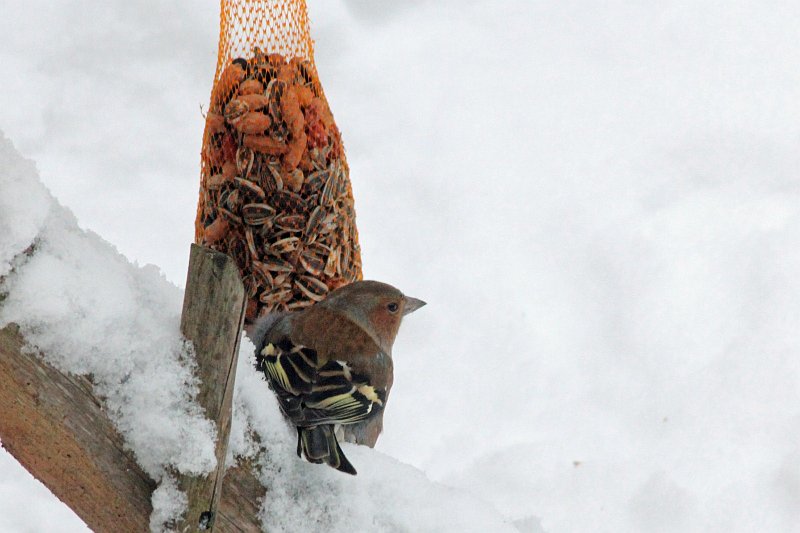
x,y
331,365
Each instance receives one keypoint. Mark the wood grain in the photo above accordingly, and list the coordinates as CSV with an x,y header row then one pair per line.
x,y
55,426
212,318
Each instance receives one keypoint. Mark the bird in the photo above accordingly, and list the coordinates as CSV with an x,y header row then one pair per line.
x,y
330,365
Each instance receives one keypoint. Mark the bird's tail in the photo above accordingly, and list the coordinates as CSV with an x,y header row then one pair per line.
x,y
319,445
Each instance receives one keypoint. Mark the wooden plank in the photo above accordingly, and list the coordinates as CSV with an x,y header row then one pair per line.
x,y
55,427
241,501
213,316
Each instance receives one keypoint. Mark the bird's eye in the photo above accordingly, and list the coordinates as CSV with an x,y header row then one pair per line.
x,y
392,307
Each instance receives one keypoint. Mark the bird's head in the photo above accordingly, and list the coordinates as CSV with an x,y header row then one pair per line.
x,y
377,307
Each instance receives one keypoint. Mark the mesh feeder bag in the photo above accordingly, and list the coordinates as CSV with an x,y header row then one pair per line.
x,y
275,190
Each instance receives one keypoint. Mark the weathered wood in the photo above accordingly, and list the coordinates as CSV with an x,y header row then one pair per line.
x,y
55,427
213,315
241,500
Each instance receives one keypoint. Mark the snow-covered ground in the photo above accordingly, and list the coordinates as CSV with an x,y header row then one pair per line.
x,y
598,200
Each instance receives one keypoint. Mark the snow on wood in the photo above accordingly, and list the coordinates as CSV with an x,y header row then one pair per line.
x,y
59,431
212,318
55,427
114,445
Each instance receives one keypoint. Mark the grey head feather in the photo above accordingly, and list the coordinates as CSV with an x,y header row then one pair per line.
x,y
263,326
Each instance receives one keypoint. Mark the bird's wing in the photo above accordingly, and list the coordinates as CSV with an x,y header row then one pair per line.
x,y
312,393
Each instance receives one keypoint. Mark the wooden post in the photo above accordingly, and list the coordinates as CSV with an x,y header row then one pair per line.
x,y
213,315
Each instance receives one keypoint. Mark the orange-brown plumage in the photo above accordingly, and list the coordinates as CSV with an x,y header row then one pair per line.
x,y
331,364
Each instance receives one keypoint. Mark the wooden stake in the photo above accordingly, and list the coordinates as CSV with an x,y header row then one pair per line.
x,y
213,315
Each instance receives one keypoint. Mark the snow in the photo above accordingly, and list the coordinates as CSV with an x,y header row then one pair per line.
x,y
386,495
23,206
598,200
169,503
21,493
90,311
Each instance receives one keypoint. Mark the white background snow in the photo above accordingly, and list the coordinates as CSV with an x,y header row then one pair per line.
x,y
599,201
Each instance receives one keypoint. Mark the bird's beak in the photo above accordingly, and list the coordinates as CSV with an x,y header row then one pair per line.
x,y
412,304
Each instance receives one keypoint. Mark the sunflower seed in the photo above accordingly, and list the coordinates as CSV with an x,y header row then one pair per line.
x,y
285,245
299,304
279,295
293,223
230,217
257,214
251,242
311,287
316,181
312,258
287,202
273,181
315,221
332,265
261,270
249,186
244,160
276,264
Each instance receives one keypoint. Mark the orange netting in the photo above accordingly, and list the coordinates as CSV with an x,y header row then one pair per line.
x,y
278,26
275,189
